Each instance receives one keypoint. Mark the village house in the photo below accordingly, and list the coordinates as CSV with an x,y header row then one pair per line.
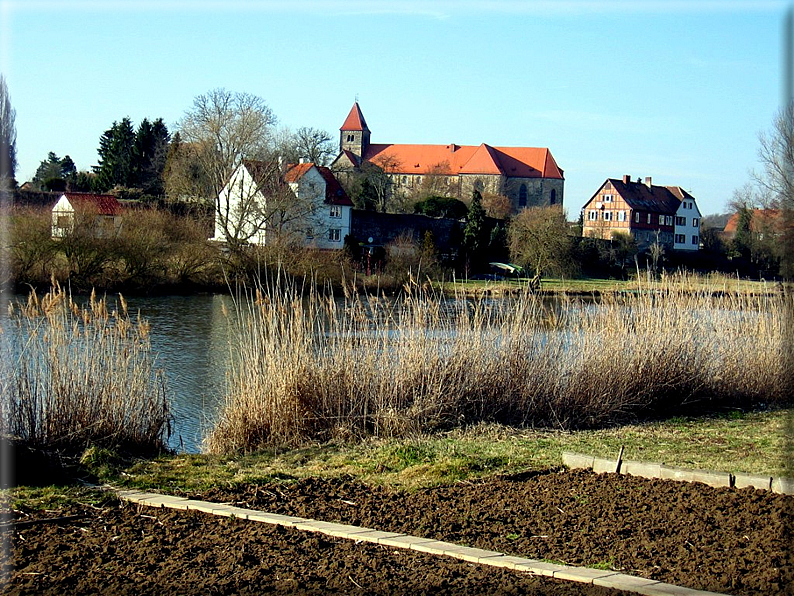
x,y
99,215
668,215
763,223
527,176
263,202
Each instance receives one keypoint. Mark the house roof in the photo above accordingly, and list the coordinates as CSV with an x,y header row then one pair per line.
x,y
646,197
762,219
334,193
355,119
103,204
452,160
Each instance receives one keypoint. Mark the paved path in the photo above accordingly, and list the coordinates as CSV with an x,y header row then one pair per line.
x,y
609,579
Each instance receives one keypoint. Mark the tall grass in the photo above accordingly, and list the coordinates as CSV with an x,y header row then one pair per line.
x,y
307,369
74,376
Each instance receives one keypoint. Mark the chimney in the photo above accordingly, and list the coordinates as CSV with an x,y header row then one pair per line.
x,y
648,181
626,178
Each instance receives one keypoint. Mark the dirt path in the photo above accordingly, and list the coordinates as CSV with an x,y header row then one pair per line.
x,y
721,540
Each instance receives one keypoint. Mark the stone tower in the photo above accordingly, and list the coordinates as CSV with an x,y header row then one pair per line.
x,y
354,134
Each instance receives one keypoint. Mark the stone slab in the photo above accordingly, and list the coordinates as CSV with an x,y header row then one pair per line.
x,y
507,561
621,581
641,469
275,519
435,547
155,500
403,541
576,460
375,535
329,528
783,485
582,574
661,589
704,476
540,568
473,555
751,481
601,466
141,497
193,505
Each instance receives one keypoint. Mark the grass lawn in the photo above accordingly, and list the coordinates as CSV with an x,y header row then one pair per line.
x,y
753,442
713,282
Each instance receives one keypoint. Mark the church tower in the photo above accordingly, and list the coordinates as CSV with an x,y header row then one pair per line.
x,y
354,134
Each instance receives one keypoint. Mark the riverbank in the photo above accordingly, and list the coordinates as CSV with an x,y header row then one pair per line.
x,y
489,487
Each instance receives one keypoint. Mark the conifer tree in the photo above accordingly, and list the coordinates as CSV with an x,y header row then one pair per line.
x,y
474,240
116,149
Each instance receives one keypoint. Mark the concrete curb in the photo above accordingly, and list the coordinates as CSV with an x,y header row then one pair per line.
x,y
659,470
609,579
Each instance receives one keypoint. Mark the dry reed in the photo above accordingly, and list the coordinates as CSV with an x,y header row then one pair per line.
x,y
76,376
315,368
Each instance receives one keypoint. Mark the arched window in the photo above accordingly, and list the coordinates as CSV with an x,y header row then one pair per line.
x,y
478,185
553,197
522,196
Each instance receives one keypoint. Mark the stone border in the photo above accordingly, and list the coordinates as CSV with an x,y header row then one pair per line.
x,y
599,465
586,575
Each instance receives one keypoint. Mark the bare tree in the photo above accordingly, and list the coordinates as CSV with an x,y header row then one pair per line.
x,y
380,172
8,139
224,128
538,239
496,206
777,156
314,145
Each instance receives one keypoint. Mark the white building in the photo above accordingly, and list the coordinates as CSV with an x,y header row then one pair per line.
x,y
99,215
687,221
329,220
261,204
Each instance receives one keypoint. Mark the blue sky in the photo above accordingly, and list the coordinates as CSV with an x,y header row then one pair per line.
x,y
674,90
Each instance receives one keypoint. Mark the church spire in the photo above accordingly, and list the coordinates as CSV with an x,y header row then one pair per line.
x,y
354,133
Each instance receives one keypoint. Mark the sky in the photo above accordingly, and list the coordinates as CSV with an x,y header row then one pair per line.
x,y
675,90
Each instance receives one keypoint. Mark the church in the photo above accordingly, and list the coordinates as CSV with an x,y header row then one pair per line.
x,y
527,176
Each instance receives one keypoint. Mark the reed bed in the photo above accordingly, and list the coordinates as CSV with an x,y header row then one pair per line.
x,y
315,368
78,376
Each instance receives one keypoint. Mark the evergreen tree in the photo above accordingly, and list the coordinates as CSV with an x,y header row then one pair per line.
x,y
474,234
116,161
55,173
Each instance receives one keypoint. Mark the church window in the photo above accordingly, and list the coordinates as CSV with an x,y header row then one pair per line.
x,y
553,197
522,196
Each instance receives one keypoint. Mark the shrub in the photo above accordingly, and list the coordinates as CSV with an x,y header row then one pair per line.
x,y
75,376
314,369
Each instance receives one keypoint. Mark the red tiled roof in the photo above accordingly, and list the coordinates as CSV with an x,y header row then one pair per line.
x,y
104,204
760,220
355,119
334,193
296,171
522,162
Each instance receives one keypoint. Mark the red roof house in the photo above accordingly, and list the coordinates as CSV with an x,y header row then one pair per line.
x,y
528,176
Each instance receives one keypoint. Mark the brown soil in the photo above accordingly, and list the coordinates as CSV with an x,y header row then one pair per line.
x,y
723,540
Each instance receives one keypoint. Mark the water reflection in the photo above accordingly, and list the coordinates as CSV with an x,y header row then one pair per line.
x,y
189,337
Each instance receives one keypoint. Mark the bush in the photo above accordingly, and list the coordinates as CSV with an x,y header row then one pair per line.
x,y
316,369
76,376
